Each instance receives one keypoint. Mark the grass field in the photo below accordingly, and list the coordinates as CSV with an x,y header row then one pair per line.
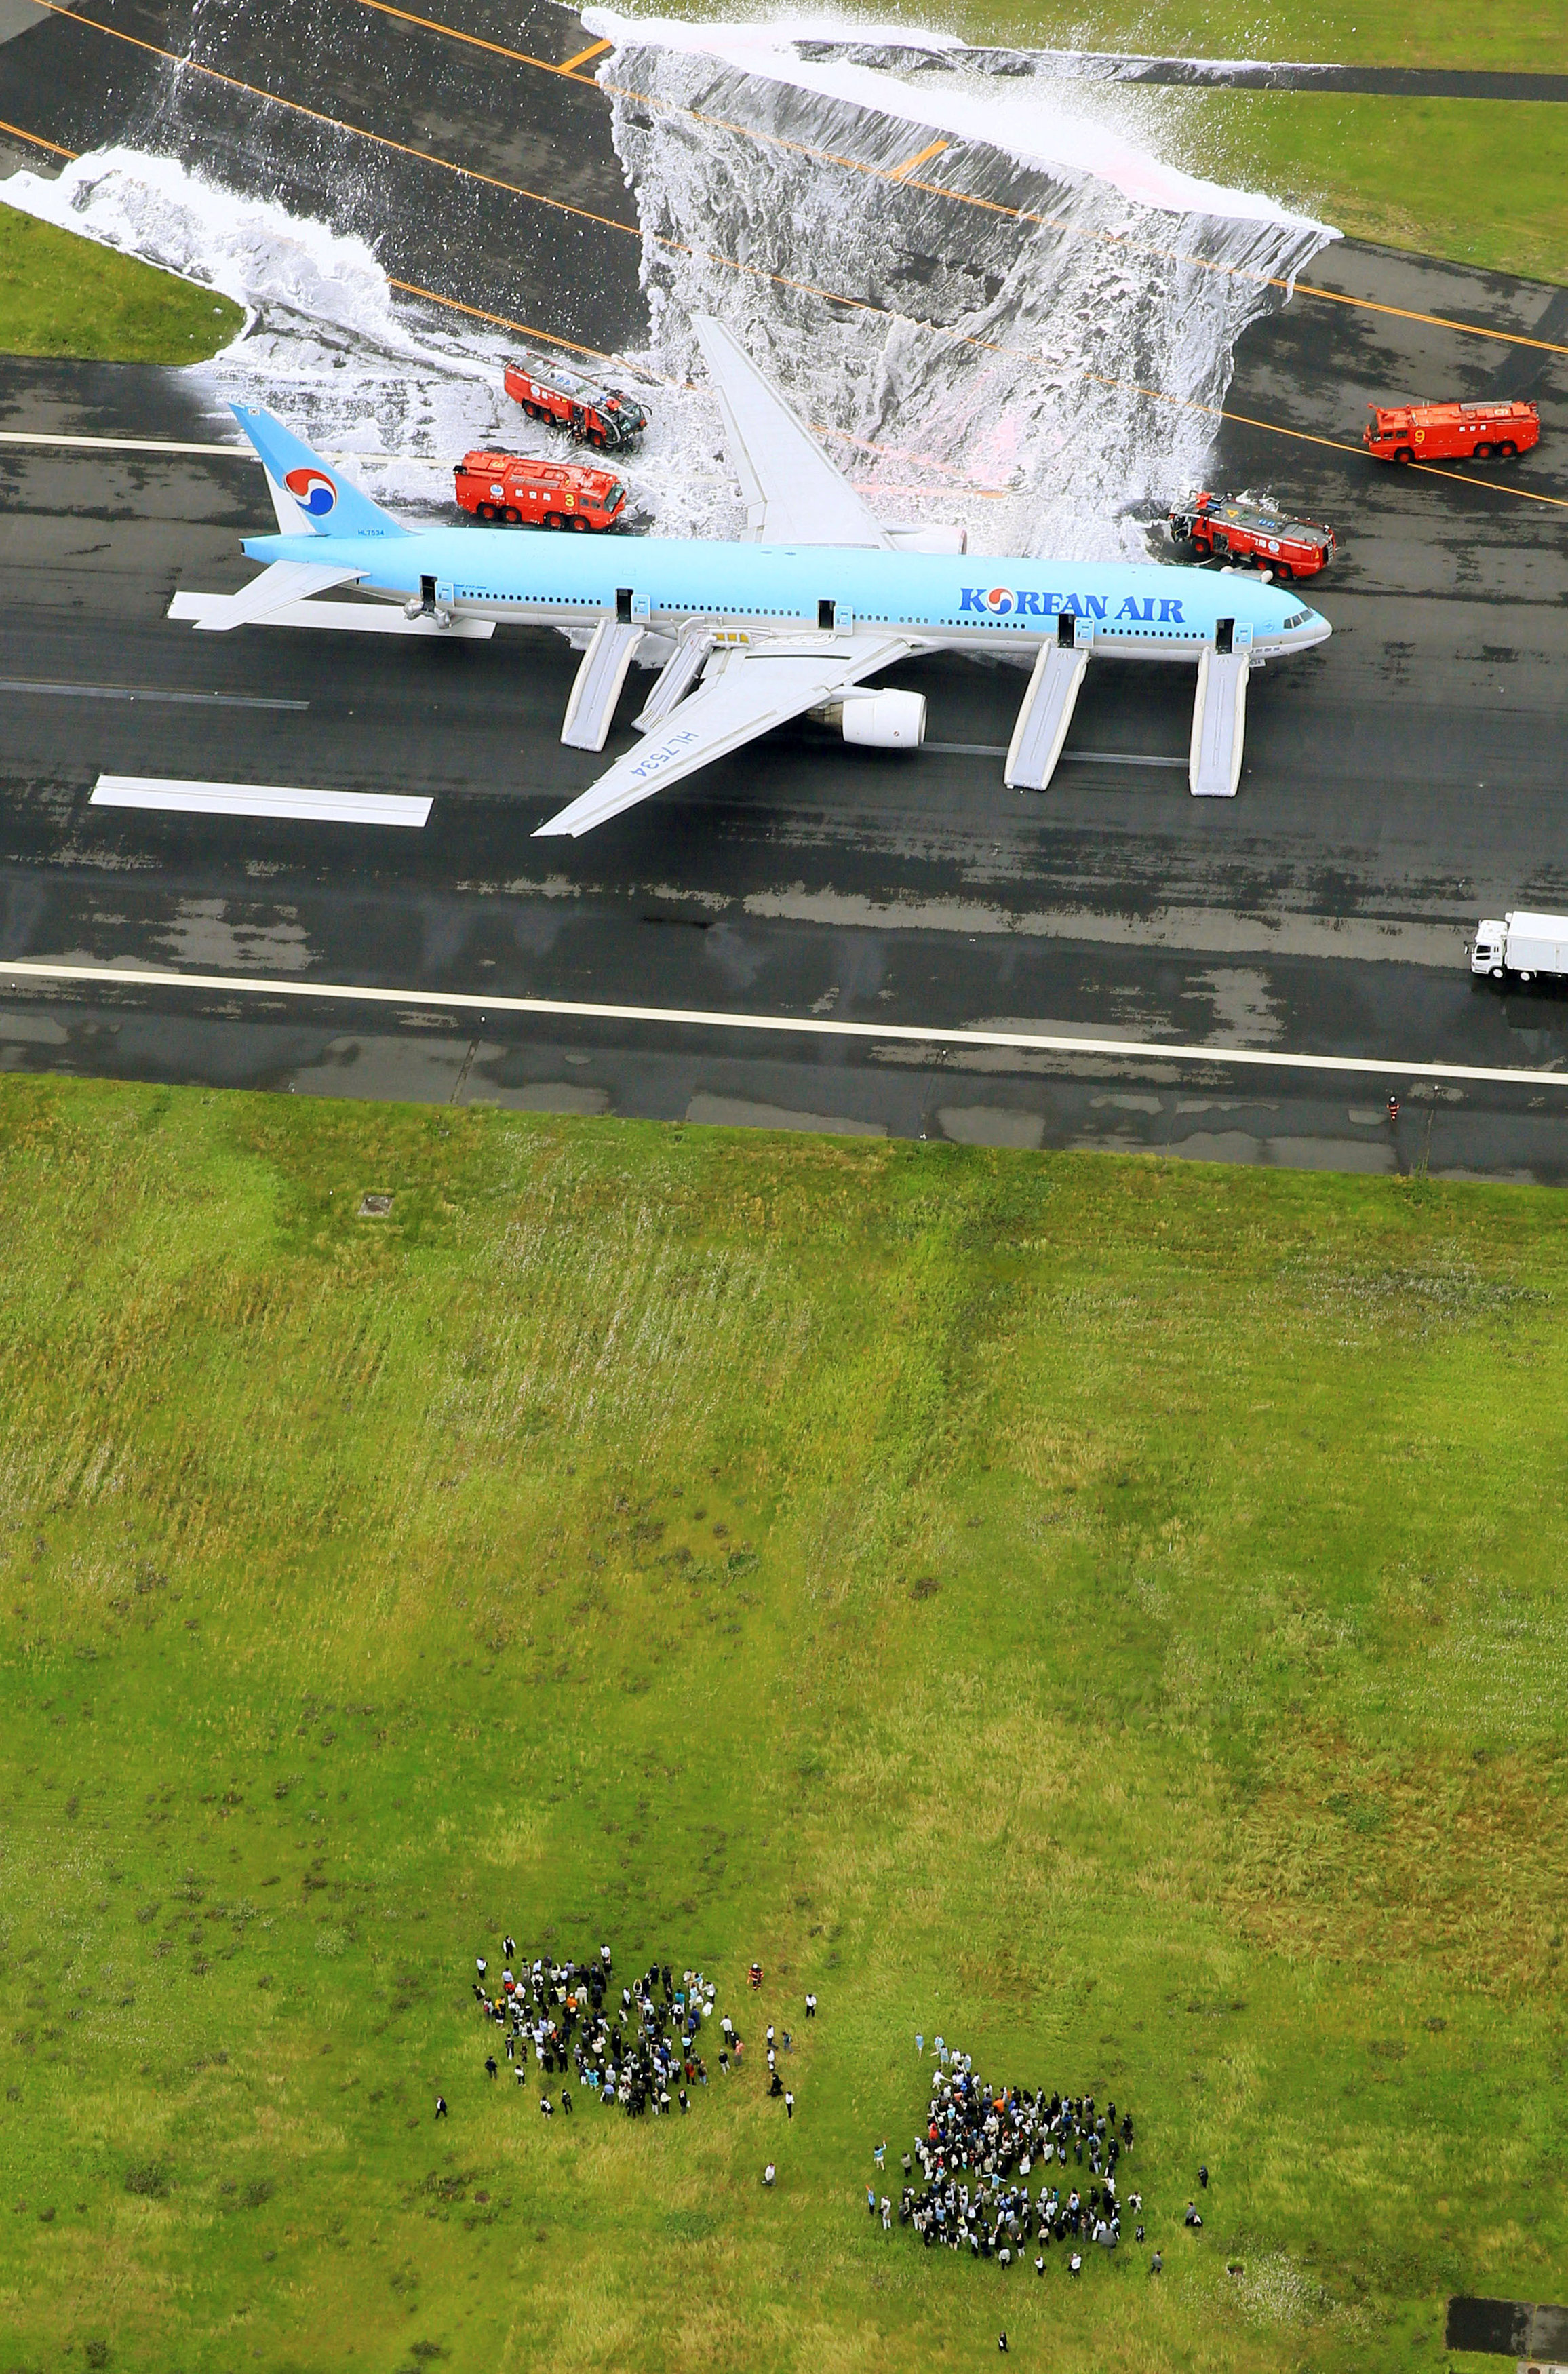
x,y
1109,1612
1532,39
1481,181
62,295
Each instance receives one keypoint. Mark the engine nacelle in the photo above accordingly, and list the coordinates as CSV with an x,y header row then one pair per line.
x,y
952,541
881,720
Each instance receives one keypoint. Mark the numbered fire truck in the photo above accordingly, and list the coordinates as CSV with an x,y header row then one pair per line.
x,y
541,494
1251,529
1451,432
592,414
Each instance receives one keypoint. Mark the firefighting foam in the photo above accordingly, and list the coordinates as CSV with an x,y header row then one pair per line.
x,y
969,398
1018,354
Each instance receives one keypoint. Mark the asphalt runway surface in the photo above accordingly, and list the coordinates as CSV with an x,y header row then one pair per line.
x,y
1401,782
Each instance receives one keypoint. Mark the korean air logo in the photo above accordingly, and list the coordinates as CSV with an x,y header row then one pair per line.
x,y
999,600
312,490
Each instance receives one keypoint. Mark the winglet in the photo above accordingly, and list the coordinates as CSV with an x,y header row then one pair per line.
x,y
324,500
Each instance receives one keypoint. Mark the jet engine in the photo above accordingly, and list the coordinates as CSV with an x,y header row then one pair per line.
x,y
879,721
953,541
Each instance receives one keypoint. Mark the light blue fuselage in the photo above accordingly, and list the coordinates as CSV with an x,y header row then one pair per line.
x,y
1129,610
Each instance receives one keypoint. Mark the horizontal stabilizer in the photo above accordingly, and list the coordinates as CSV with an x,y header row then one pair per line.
x,y
1044,716
597,685
274,589
1219,723
350,617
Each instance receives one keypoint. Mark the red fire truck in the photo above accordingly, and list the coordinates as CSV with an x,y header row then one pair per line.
x,y
1252,528
1451,432
540,494
592,415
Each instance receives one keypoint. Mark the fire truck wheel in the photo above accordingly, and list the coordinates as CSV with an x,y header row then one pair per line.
x,y
1403,453
511,515
1483,453
1507,452
486,510
596,439
552,519
579,524
1284,571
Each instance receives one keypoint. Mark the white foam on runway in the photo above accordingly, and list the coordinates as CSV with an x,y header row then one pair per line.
x,y
1034,126
1044,383
328,345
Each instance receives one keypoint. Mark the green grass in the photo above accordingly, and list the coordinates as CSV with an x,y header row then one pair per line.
x,y
1531,39
64,295
1480,181
1108,1611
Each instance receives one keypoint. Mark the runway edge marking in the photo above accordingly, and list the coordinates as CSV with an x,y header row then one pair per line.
x,y
812,1025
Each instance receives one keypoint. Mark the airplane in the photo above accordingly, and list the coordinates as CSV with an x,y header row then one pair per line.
x,y
796,619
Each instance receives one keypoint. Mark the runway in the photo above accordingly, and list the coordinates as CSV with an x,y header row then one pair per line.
x,y
1401,782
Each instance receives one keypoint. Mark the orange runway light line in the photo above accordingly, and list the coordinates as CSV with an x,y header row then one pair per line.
x,y
35,141
922,157
594,50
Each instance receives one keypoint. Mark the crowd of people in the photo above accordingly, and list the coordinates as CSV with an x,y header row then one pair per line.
x,y
982,2147
637,2044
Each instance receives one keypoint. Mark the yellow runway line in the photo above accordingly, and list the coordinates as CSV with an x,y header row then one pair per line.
x,y
594,50
428,25
1434,321
34,140
922,157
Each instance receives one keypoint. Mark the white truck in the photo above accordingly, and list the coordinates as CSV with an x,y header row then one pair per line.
x,y
1521,948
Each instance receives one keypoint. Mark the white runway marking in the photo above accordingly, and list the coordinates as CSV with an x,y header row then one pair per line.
x,y
1096,757
1042,1041
143,692
258,799
121,444
172,445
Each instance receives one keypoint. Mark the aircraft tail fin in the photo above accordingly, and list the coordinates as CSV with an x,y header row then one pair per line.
x,y
300,483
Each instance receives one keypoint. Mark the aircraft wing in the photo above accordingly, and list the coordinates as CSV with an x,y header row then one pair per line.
x,y
754,690
793,492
